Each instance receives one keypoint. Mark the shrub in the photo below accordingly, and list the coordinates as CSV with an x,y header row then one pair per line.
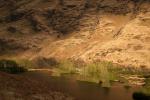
x,y
140,96
10,66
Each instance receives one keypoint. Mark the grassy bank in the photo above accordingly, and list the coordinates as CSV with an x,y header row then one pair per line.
x,y
104,73
99,72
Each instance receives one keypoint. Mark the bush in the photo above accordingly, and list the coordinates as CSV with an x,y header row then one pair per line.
x,y
10,66
140,96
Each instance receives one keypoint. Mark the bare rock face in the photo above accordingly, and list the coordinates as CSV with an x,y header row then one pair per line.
x,y
88,30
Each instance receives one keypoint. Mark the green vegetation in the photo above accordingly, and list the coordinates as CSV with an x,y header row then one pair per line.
x,y
65,67
91,72
25,62
103,73
98,72
10,66
146,90
39,62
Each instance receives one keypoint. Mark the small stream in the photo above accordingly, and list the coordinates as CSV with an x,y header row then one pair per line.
x,y
84,90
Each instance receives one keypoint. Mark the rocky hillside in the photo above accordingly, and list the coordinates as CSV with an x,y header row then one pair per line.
x,y
86,30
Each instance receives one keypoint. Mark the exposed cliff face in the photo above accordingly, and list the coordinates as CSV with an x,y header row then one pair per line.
x,y
112,30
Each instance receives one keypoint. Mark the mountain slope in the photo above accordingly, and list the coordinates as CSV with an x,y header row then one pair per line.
x,y
87,30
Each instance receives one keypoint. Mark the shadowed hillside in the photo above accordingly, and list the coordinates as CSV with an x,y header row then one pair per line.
x,y
86,30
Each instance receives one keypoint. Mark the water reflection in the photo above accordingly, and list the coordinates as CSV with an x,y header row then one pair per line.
x,y
82,90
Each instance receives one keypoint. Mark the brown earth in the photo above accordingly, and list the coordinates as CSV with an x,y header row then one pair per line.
x,y
87,30
28,87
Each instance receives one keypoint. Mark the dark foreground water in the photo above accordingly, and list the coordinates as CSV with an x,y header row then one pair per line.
x,y
85,90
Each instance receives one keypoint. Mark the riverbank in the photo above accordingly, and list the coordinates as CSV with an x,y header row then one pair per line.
x,y
40,85
75,79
